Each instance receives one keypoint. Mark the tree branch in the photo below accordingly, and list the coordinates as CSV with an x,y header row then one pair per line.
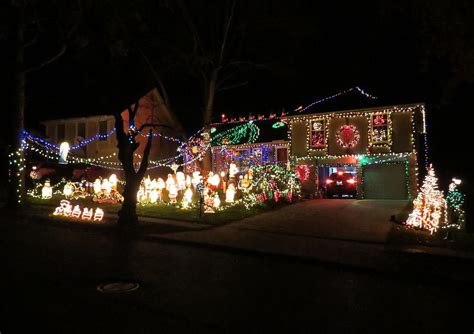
x,y
119,131
240,84
226,33
33,41
47,61
152,125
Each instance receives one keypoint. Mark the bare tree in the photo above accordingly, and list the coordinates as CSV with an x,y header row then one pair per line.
x,y
22,21
217,65
127,145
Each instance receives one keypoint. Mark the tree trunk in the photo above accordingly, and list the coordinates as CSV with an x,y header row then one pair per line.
x,y
128,212
211,94
17,191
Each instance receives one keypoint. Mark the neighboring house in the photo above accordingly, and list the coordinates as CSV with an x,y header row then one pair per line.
x,y
383,147
269,145
151,111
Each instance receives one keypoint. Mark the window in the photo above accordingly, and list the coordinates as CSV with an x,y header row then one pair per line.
x,y
317,138
81,130
380,128
61,132
282,154
103,130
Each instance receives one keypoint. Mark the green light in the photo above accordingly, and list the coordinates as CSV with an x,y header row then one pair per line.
x,y
236,134
278,125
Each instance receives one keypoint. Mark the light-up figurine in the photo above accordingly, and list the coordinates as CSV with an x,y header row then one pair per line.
x,y
97,186
230,193
47,190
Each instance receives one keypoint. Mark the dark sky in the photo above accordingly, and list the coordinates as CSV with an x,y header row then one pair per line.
x,y
416,51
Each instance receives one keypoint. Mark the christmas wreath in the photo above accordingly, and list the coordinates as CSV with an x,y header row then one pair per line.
x,y
348,136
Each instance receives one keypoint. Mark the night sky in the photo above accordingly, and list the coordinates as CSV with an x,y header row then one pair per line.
x,y
402,52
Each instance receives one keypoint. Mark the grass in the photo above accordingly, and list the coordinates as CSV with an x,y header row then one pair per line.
x,y
163,211
400,234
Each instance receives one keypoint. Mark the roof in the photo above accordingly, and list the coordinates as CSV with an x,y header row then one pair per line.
x,y
351,99
368,109
266,134
75,119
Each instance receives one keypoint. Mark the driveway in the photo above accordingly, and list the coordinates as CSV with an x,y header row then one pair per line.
x,y
343,219
324,229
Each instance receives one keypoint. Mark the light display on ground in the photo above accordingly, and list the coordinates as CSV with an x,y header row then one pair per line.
x,y
66,209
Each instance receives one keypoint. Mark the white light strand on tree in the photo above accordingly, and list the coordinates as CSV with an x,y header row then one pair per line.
x,y
429,207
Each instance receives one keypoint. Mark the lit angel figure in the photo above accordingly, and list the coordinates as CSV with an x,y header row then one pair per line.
x,y
173,192
196,178
106,187
154,184
68,190
113,181
141,194
233,170
47,190
154,196
170,182
230,193
181,180
147,183
97,186
154,192
217,201
160,185
187,197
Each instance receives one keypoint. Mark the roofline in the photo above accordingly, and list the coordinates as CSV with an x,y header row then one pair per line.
x,y
359,109
274,142
85,118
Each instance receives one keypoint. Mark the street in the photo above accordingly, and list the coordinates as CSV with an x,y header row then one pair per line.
x,y
51,273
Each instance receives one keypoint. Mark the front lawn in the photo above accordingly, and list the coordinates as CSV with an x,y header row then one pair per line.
x,y
456,239
159,210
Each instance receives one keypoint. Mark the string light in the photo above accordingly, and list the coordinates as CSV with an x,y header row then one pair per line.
x,y
430,206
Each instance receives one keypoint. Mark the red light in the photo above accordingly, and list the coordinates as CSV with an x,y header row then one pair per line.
x,y
351,181
329,181
340,172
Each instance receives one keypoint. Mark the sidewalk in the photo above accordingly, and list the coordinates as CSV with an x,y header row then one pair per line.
x,y
375,256
438,263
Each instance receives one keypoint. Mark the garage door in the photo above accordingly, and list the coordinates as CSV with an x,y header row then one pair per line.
x,y
385,181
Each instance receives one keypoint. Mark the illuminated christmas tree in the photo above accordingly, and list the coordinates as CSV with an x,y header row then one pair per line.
x,y
429,207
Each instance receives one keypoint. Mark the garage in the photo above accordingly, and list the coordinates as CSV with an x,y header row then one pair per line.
x,y
387,181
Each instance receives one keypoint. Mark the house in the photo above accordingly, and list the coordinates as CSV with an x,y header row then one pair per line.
x,y
382,146
93,137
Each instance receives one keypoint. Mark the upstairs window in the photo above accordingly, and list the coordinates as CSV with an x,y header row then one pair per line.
x,y
61,132
81,130
103,130
317,137
380,129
